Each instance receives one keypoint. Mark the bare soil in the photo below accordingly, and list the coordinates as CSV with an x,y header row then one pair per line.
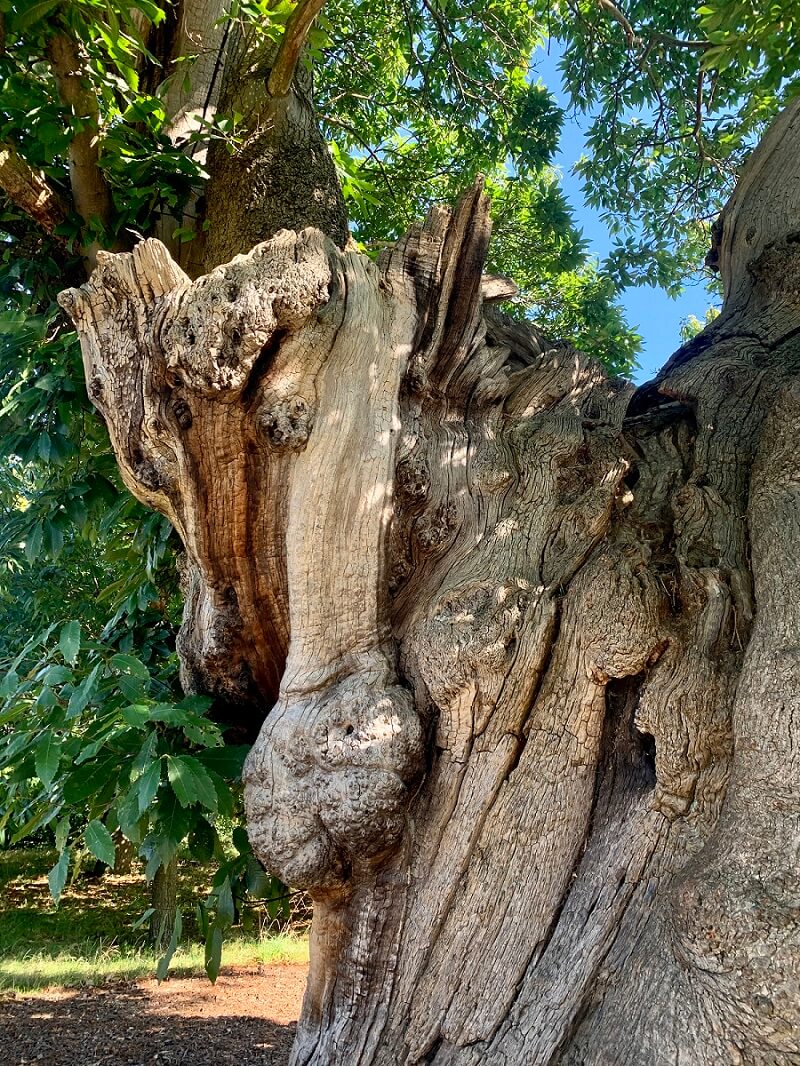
x,y
248,1017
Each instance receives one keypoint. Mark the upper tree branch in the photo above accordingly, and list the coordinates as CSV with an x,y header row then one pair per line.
x,y
294,37
617,15
637,40
90,190
29,190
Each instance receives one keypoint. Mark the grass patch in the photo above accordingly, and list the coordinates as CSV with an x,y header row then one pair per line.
x,y
89,940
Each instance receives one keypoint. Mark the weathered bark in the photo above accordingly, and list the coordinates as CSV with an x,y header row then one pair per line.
x,y
278,174
30,190
91,194
530,636
274,170
190,46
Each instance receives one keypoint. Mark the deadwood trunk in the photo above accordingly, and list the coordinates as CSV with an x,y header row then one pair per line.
x,y
529,638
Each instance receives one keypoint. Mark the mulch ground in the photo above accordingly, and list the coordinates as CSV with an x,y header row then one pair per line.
x,y
248,1017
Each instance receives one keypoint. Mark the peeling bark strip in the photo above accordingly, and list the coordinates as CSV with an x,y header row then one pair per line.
x,y
529,636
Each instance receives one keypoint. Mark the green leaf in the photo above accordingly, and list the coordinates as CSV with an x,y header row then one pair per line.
x,y
213,953
147,785
33,542
201,840
163,963
89,779
143,918
100,842
12,746
91,750
129,816
54,539
83,693
132,688
62,833
168,713
48,756
57,877
172,822
34,13
191,782
241,841
43,815
136,715
198,704
9,684
146,752
55,675
228,762
69,641
225,908
46,700
226,795
258,880
129,664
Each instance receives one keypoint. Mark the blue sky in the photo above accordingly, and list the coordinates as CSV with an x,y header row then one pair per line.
x,y
656,316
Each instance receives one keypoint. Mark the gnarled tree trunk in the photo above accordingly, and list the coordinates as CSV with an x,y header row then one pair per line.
x,y
530,636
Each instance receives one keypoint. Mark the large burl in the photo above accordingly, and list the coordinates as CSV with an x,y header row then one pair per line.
x,y
257,408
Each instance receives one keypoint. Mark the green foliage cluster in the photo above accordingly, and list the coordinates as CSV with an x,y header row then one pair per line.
x,y
97,744
146,173
674,96
434,94
753,38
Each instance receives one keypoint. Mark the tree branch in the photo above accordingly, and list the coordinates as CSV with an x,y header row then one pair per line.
x,y
90,191
633,40
294,37
636,40
29,190
678,42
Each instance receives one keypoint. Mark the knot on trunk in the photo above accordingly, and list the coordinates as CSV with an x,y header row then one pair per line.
x,y
327,783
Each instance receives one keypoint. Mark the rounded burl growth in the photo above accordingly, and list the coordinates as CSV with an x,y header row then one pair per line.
x,y
328,781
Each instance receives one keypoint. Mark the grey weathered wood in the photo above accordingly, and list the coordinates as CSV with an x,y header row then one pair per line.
x,y
529,635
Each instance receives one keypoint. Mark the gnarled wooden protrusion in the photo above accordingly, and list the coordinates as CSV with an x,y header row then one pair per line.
x,y
207,394
235,404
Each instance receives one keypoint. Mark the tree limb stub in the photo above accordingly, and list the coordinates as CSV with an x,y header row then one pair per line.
x,y
526,632
29,190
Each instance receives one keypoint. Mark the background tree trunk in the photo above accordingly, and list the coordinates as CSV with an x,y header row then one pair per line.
x,y
164,901
531,634
125,853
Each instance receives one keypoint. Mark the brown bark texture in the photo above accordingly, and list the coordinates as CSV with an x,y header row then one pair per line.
x,y
164,901
529,638
273,170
